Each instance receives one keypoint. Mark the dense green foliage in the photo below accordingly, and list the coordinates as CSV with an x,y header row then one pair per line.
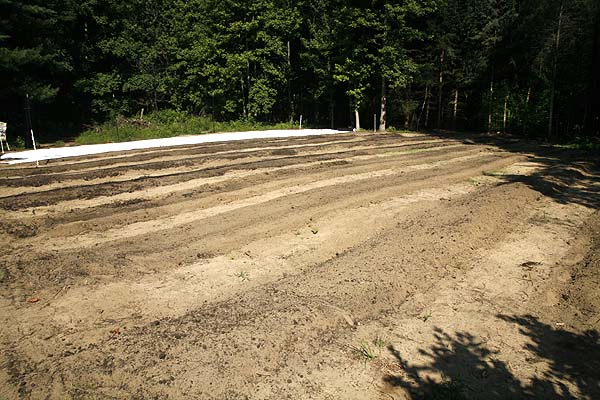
x,y
528,67
167,123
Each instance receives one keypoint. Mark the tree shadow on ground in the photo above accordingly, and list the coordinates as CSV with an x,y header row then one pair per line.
x,y
461,367
566,176
564,182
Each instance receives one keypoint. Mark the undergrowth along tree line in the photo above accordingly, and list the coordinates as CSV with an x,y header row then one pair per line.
x,y
526,67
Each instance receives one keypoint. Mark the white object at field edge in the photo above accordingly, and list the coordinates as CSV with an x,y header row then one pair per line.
x,y
84,150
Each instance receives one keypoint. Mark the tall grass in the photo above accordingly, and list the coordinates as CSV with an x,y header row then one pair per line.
x,y
164,124
582,143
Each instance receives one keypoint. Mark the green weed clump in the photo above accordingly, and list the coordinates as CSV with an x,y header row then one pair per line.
x,y
581,143
17,143
366,352
165,124
393,129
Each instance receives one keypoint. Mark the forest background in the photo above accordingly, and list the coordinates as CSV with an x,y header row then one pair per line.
x,y
527,67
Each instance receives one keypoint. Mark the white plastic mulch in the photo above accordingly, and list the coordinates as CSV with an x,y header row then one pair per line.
x,y
77,151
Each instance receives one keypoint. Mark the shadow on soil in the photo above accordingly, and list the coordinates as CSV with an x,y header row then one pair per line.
x,y
563,182
567,365
471,370
567,176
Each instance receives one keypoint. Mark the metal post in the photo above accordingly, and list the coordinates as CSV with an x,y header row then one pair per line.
x,y
28,125
29,135
374,122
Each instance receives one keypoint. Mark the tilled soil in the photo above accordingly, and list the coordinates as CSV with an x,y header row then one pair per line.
x,y
354,266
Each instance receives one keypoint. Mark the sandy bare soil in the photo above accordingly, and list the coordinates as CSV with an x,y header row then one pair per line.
x,y
354,266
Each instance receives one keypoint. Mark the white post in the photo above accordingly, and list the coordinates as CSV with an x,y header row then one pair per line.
x,y
37,163
300,121
3,136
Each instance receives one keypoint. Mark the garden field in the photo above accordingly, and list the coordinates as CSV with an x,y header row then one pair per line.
x,y
346,266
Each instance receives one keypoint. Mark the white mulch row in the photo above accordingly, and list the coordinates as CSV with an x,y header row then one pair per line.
x,y
78,151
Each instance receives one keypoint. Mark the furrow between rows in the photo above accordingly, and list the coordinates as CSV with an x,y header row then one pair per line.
x,y
180,218
85,190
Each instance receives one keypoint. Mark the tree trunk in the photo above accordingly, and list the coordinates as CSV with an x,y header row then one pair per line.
x,y
407,111
554,68
455,110
332,114
243,98
423,107
441,83
527,116
594,101
331,95
289,82
357,119
491,101
427,110
505,114
383,117
28,124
